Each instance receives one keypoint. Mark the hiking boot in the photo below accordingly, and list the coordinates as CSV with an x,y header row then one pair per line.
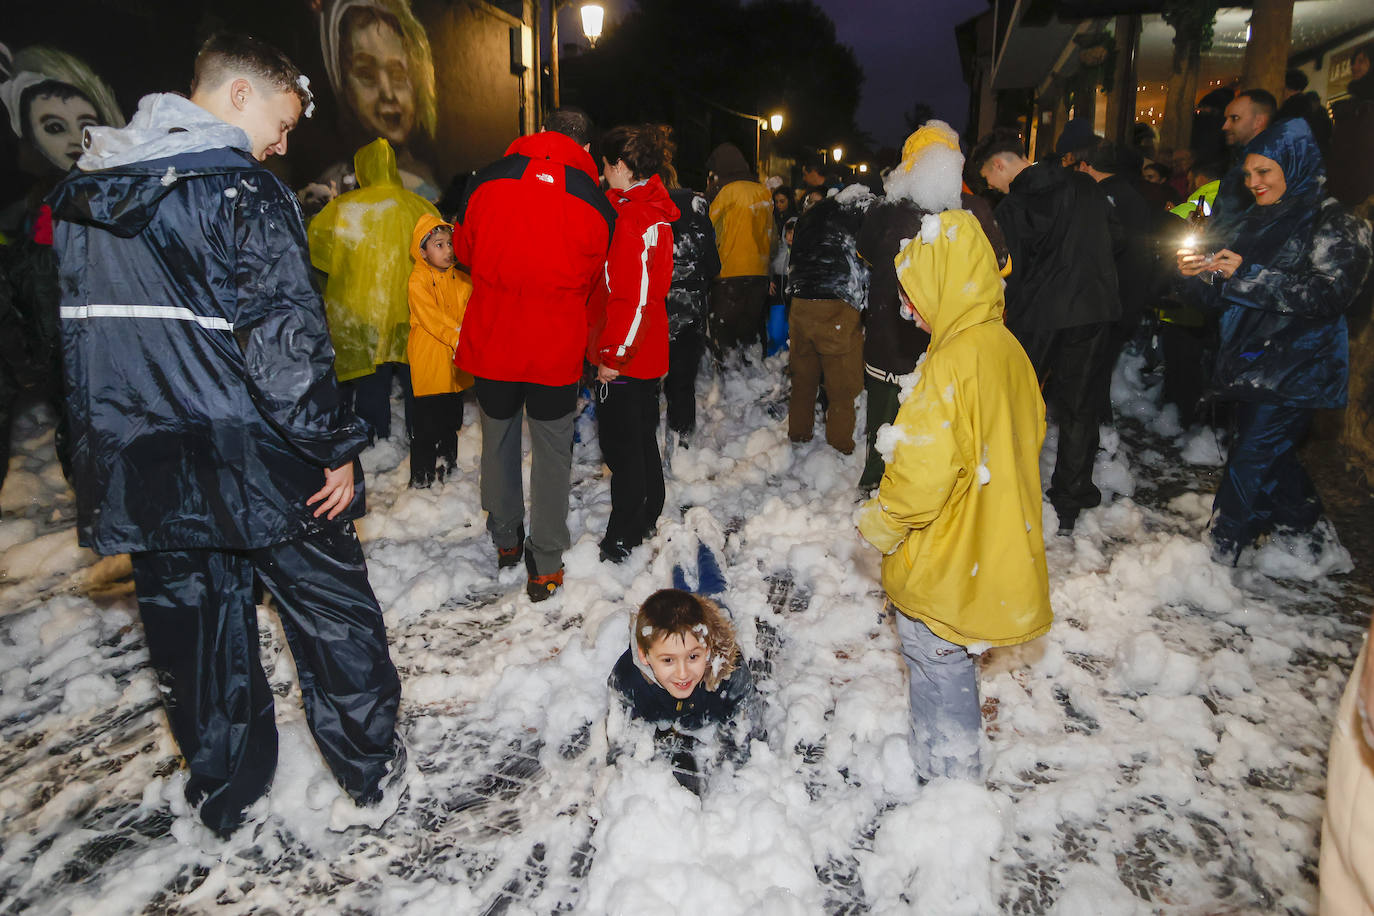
x,y
507,557
540,587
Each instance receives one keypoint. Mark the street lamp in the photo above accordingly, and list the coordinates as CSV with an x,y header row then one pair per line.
x,y
837,154
593,16
776,122
863,167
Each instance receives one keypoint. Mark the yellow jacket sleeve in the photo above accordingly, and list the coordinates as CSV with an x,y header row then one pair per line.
x,y
932,465
427,315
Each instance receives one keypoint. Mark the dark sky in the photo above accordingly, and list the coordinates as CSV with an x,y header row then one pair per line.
x,y
906,49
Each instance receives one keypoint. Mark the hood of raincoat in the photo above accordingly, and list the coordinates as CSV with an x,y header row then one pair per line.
x,y
375,165
426,224
950,274
1261,231
729,165
1290,143
164,125
125,173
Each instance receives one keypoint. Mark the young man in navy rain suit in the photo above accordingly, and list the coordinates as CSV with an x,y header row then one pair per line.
x,y
209,440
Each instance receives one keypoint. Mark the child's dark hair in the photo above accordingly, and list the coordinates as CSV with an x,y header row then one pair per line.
x,y
227,54
646,148
673,612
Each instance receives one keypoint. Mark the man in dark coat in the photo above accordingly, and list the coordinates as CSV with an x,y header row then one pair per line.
x,y
695,264
1248,115
209,439
1062,300
1140,278
927,180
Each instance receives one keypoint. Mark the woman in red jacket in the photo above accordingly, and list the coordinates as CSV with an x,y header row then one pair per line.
x,y
628,343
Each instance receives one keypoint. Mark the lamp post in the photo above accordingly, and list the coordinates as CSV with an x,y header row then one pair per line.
x,y
593,18
837,154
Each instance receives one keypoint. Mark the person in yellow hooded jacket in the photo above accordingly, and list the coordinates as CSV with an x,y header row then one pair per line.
x,y
742,215
438,293
958,512
361,241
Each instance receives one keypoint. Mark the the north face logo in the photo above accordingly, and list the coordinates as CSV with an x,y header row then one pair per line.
x,y
544,176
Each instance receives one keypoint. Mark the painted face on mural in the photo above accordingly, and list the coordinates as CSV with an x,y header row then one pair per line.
x,y
56,125
377,83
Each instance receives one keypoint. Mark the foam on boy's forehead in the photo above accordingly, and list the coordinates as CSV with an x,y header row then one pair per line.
x,y
433,232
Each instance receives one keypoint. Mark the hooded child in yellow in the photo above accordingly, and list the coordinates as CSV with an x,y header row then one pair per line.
x,y
957,514
438,299
362,241
439,294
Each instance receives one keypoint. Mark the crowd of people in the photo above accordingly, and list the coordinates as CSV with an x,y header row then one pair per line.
x,y
199,355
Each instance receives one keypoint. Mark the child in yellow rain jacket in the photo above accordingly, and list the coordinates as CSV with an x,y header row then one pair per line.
x,y
957,515
438,295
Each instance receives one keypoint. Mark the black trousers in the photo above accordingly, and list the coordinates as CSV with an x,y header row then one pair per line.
x,y
680,386
627,420
739,307
1264,485
1073,365
370,397
436,419
202,631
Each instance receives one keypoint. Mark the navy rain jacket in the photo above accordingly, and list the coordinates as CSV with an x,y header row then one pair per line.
x,y
202,394
1283,331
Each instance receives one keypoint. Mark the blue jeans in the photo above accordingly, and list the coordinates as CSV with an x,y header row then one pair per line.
x,y
946,715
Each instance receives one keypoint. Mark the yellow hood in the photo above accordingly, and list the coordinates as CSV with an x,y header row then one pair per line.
x,y
426,224
949,273
375,165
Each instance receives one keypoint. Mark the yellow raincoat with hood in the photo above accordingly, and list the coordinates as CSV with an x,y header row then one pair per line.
x,y
438,299
958,512
362,241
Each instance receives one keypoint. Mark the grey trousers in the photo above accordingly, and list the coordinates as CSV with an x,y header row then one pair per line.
x,y
946,715
503,492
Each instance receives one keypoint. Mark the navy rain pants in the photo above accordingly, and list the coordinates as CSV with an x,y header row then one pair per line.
x,y
1264,486
202,631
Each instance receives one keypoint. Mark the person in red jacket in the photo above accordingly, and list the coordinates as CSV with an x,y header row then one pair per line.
x,y
532,233
628,343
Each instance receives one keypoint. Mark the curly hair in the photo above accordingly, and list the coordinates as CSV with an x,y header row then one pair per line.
x,y
673,612
646,148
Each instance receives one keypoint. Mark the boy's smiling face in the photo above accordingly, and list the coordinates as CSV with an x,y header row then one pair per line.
x,y
678,663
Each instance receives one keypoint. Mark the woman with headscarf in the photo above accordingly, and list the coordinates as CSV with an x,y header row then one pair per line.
x,y
1282,282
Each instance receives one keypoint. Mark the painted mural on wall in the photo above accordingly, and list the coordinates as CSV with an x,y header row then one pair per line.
x,y
381,71
372,62
50,97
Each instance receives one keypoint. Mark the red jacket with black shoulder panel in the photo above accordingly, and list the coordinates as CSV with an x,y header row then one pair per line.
x,y
533,232
628,323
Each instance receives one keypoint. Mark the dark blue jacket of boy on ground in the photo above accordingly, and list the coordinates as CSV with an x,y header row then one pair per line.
x,y
1283,332
202,393
645,699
